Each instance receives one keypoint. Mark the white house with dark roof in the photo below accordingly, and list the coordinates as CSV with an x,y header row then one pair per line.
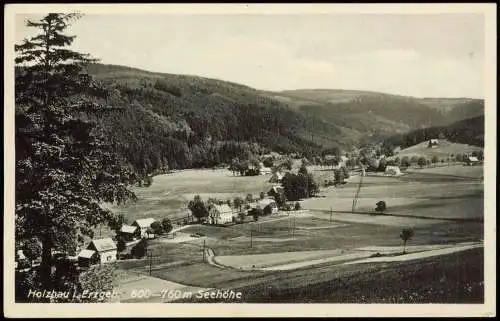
x,y
143,224
220,214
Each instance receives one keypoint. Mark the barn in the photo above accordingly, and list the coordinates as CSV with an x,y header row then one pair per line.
x,y
98,251
393,170
143,224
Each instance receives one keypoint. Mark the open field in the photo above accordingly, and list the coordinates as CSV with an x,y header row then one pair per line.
x,y
307,243
456,171
443,150
169,194
451,278
442,192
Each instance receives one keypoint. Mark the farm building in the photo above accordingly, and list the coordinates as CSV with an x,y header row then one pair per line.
x,y
276,178
392,170
265,170
220,214
471,160
268,206
98,251
433,143
129,232
276,191
143,224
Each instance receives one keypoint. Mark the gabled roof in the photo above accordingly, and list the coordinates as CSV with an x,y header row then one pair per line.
x,y
128,229
278,175
473,158
144,222
224,208
102,245
277,189
266,202
86,254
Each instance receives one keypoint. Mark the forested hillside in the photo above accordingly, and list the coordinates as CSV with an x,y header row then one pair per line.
x,y
469,131
180,121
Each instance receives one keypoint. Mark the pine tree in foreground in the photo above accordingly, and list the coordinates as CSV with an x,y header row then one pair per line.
x,y
64,167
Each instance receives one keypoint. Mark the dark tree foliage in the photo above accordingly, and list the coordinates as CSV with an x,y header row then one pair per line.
x,y
198,208
64,166
469,131
299,186
166,225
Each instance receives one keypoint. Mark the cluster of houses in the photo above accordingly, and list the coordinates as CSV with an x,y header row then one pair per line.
x,y
225,214
105,250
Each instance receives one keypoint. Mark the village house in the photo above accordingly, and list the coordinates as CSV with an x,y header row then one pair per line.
x,y
276,177
433,143
220,214
143,224
392,170
265,170
129,233
276,190
268,206
471,160
98,251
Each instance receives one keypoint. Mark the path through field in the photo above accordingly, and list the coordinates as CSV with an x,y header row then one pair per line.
x,y
300,259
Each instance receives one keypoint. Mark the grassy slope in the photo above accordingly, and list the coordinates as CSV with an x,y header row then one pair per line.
x,y
444,150
453,278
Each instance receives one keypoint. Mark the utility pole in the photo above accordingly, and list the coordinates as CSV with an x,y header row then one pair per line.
x,y
204,250
293,229
251,236
150,255
331,212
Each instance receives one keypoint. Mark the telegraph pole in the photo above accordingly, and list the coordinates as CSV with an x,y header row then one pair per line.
x,y
331,212
251,236
204,250
293,228
150,261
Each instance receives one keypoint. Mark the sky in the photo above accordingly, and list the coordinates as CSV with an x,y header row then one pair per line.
x,y
433,55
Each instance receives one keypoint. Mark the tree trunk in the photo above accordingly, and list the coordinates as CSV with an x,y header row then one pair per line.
x,y
404,247
46,264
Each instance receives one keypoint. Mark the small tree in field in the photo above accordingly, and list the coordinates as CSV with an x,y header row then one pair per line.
x,y
421,161
406,235
297,206
166,225
198,208
381,207
140,249
262,195
249,198
157,228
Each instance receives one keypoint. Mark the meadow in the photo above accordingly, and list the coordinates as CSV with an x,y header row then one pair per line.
x,y
170,194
